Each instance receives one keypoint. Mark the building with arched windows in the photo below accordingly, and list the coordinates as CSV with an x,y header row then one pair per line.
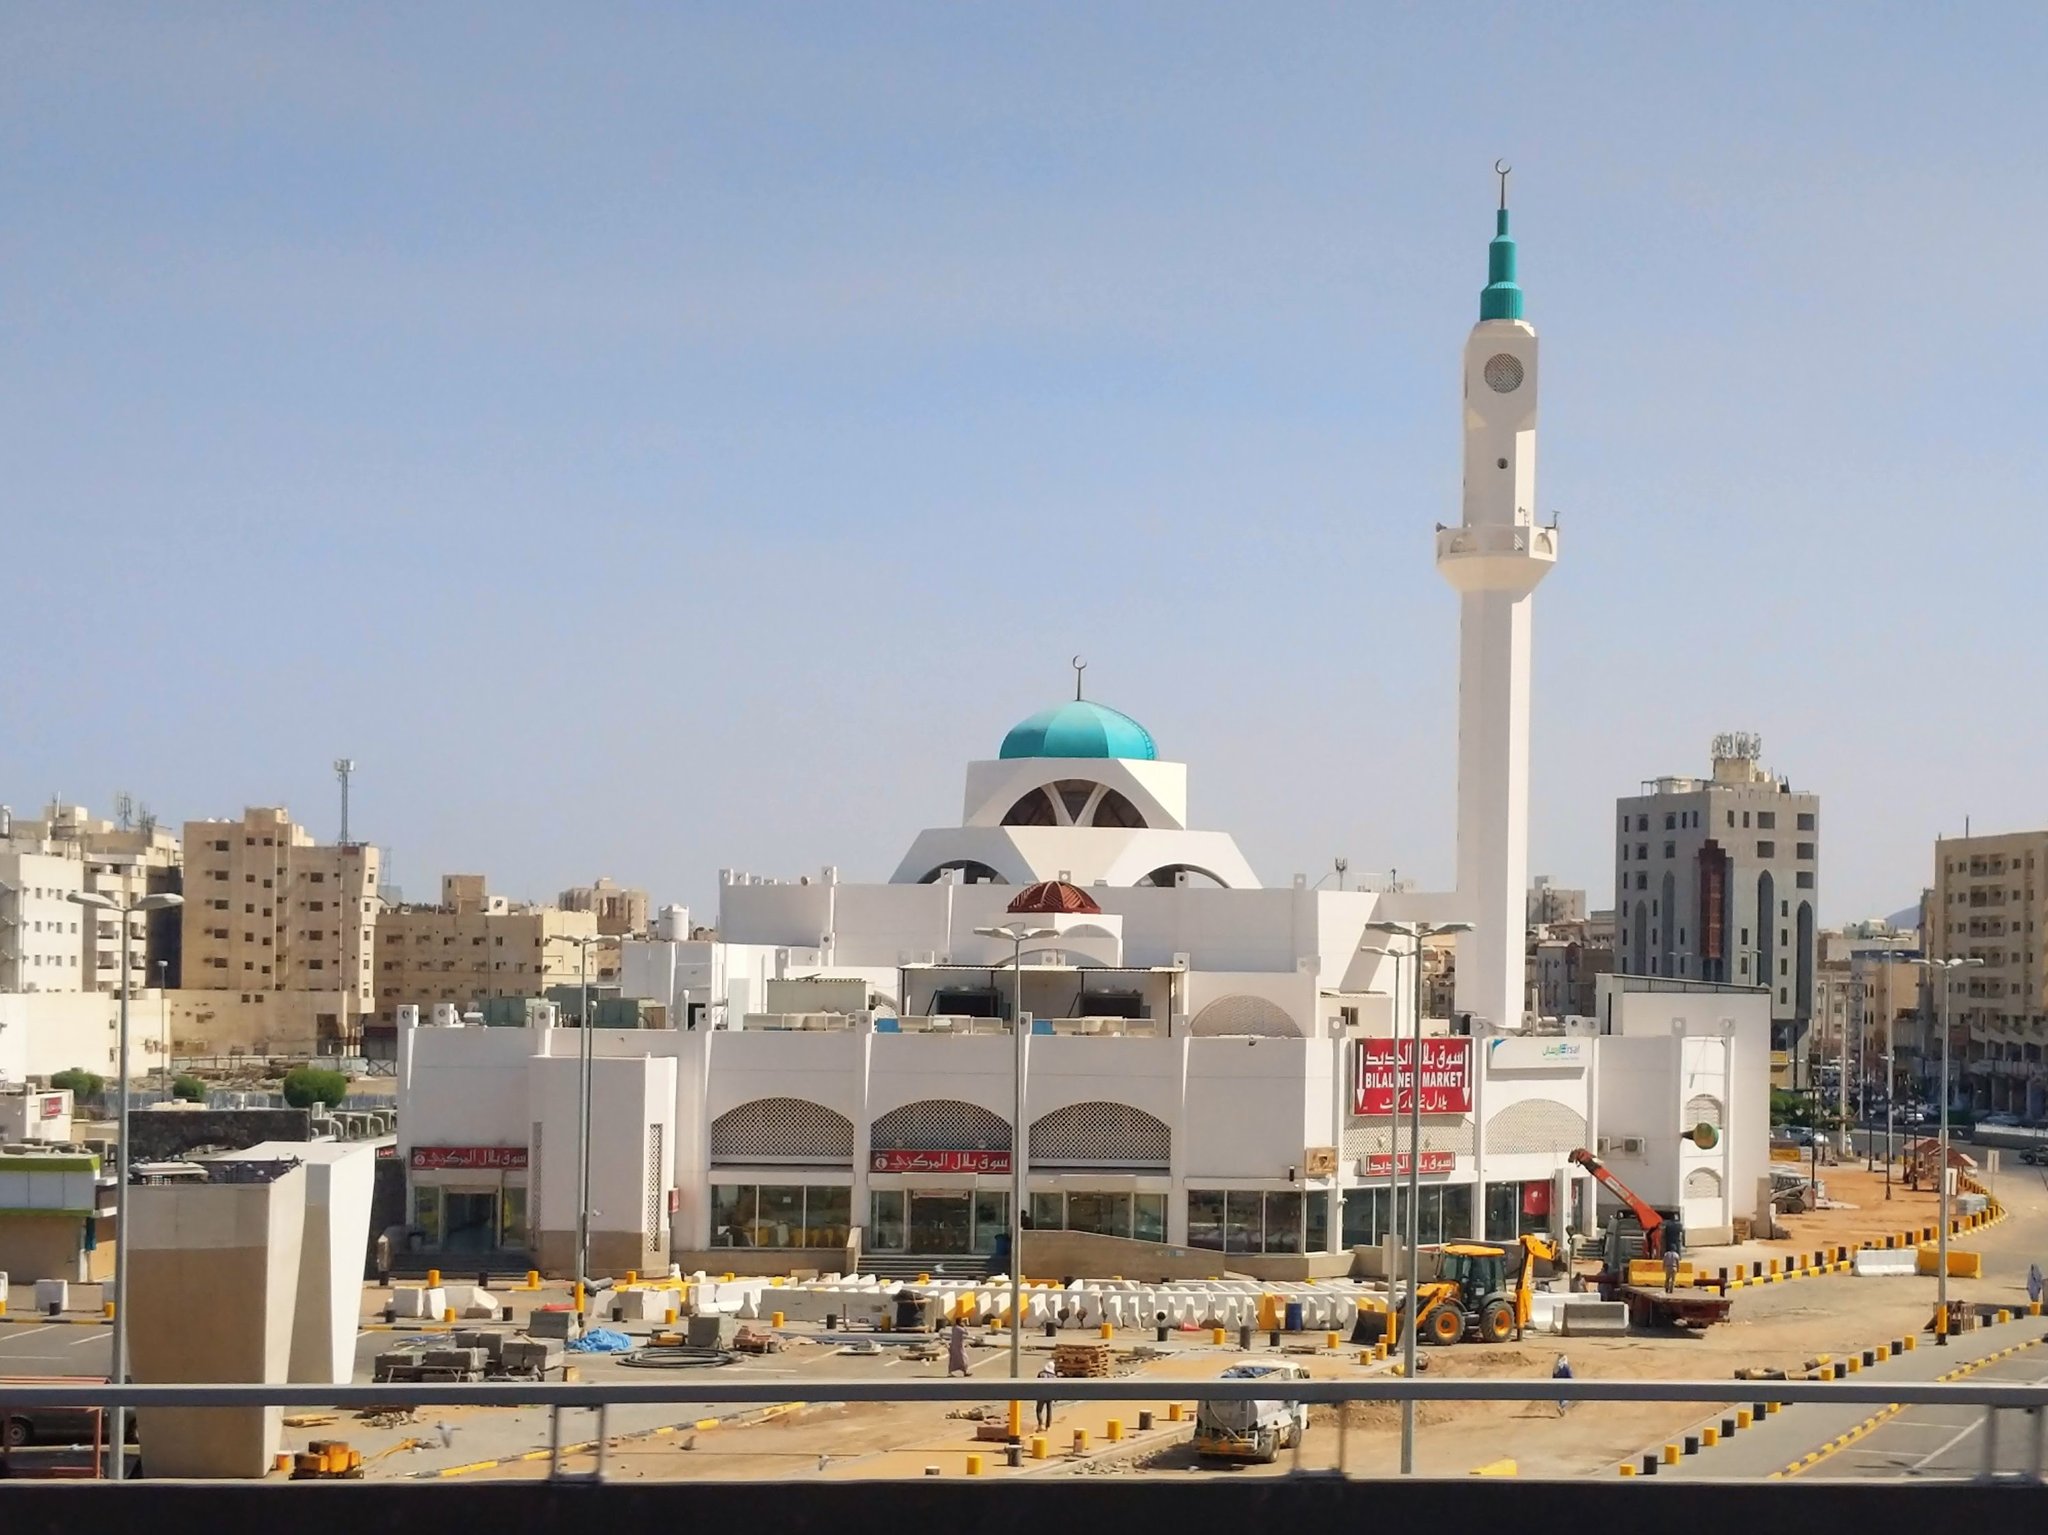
x,y
1078,983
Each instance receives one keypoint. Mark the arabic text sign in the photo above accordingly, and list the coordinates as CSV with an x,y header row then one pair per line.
x,y
1376,1078
939,1162
1379,1164
468,1158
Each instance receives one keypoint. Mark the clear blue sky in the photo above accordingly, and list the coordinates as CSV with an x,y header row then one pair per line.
x,y
657,438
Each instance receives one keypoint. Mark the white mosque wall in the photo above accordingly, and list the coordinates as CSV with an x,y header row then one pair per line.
x,y
1157,790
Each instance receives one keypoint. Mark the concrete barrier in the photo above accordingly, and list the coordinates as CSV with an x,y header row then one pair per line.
x,y
1593,1318
1884,1263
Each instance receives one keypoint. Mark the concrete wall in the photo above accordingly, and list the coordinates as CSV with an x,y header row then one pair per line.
x,y
212,1296
328,1311
165,1135
42,1246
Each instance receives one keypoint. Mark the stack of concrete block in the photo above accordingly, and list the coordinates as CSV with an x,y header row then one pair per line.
x,y
530,1358
638,1305
419,1302
553,1324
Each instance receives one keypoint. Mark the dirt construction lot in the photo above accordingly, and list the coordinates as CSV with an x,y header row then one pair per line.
x,y
1776,1325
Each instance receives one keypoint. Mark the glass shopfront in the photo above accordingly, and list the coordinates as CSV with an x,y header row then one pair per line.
x,y
1246,1220
1119,1214
780,1215
473,1219
937,1221
1443,1214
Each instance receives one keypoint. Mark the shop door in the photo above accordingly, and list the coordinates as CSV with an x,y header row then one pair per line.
x,y
941,1223
469,1222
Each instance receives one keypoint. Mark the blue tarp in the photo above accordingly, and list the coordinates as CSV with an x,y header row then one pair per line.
x,y
600,1340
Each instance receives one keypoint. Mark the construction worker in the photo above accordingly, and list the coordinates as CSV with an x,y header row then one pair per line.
x,y
1670,1267
1045,1406
1562,1370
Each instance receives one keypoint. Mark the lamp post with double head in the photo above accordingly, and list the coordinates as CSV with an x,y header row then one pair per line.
x,y
1416,933
1017,934
584,1052
1941,968
117,1371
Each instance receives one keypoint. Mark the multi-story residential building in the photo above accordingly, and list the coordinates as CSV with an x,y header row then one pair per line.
x,y
1566,960
66,852
1988,906
1867,1004
620,912
44,934
1552,903
475,945
1718,878
277,938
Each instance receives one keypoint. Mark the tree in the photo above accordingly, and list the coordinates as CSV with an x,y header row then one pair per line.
x,y
305,1086
189,1089
83,1084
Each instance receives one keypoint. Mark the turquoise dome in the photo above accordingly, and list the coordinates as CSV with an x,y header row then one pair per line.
x,y
1078,728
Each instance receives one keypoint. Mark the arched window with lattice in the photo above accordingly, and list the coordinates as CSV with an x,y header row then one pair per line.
x,y
781,1130
940,1124
1098,1134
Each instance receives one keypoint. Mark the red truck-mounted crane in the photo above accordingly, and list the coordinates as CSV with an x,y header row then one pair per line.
x,y
1649,1306
1654,1233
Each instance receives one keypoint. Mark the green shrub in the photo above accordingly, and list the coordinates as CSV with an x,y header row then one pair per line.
x,y
190,1089
305,1086
83,1084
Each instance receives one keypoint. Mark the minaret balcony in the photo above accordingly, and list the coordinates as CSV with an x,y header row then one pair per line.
x,y
1496,556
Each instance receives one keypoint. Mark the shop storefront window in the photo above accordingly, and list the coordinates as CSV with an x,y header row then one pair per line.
x,y
779,1218
426,1214
1318,1222
1048,1212
991,1220
885,1220
1244,1221
828,1216
1105,1214
1283,1223
1443,1214
1148,1217
512,1217
782,1215
1205,1218
1515,1208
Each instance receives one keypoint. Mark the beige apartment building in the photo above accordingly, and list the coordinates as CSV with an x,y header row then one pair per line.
x,y
1987,905
48,942
278,938
1867,1002
620,912
474,946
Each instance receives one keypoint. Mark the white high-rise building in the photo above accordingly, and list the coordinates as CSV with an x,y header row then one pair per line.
x,y
1494,559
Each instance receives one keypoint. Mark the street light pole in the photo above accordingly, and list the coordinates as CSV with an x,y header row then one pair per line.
x,y
117,1372
1943,969
1018,934
1415,932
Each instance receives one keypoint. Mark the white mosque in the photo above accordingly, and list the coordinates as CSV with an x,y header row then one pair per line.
x,y
1206,1069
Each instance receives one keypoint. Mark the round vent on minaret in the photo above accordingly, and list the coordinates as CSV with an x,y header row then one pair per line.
x,y
1503,373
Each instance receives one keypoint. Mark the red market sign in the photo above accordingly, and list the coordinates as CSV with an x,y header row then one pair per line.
x,y
1379,1164
939,1162
53,1106
1382,1083
468,1158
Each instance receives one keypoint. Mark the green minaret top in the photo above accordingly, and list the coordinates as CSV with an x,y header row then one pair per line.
x,y
1501,298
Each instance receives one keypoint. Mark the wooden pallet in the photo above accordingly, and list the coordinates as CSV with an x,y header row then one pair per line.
x,y
1080,1361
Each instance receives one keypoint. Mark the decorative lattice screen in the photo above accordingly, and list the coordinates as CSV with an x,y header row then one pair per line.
x,y
1244,1014
940,1124
1703,1109
1536,1125
1703,1183
655,1183
781,1129
1101,1134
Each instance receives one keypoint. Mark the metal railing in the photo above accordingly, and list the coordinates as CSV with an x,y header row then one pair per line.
x,y
697,1390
